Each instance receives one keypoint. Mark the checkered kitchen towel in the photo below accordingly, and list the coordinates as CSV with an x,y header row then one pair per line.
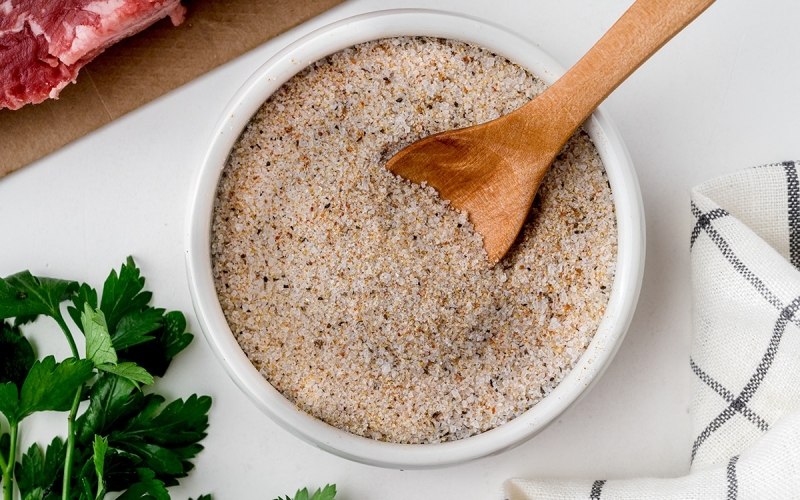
x,y
745,250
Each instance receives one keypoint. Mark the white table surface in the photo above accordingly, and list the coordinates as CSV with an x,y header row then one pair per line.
x,y
721,96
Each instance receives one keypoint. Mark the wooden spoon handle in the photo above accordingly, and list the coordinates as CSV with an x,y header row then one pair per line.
x,y
643,29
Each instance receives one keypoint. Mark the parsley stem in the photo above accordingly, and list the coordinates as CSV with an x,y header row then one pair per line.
x,y
70,444
8,467
64,328
72,412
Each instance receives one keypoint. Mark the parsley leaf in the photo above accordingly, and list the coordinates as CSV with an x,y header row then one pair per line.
x,y
25,295
165,439
39,473
9,400
128,370
51,386
16,355
36,494
143,432
98,341
100,448
140,334
147,488
101,352
137,327
326,493
170,339
123,294
111,399
84,295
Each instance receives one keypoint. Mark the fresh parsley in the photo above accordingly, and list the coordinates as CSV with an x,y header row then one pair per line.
x,y
125,440
326,493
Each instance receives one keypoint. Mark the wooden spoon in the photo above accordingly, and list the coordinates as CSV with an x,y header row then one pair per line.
x,y
493,170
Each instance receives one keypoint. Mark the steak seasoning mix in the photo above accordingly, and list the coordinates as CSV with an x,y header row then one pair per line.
x,y
367,300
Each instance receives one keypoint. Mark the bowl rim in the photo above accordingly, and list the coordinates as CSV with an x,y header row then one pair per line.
x,y
249,98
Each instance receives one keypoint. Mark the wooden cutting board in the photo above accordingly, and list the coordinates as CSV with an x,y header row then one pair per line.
x,y
145,66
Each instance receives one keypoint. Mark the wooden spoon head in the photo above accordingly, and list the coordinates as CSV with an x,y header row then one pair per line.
x,y
479,174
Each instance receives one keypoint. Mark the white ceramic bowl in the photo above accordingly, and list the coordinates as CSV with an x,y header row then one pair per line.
x,y
256,90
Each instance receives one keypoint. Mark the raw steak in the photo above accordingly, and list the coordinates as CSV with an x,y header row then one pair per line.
x,y
44,43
